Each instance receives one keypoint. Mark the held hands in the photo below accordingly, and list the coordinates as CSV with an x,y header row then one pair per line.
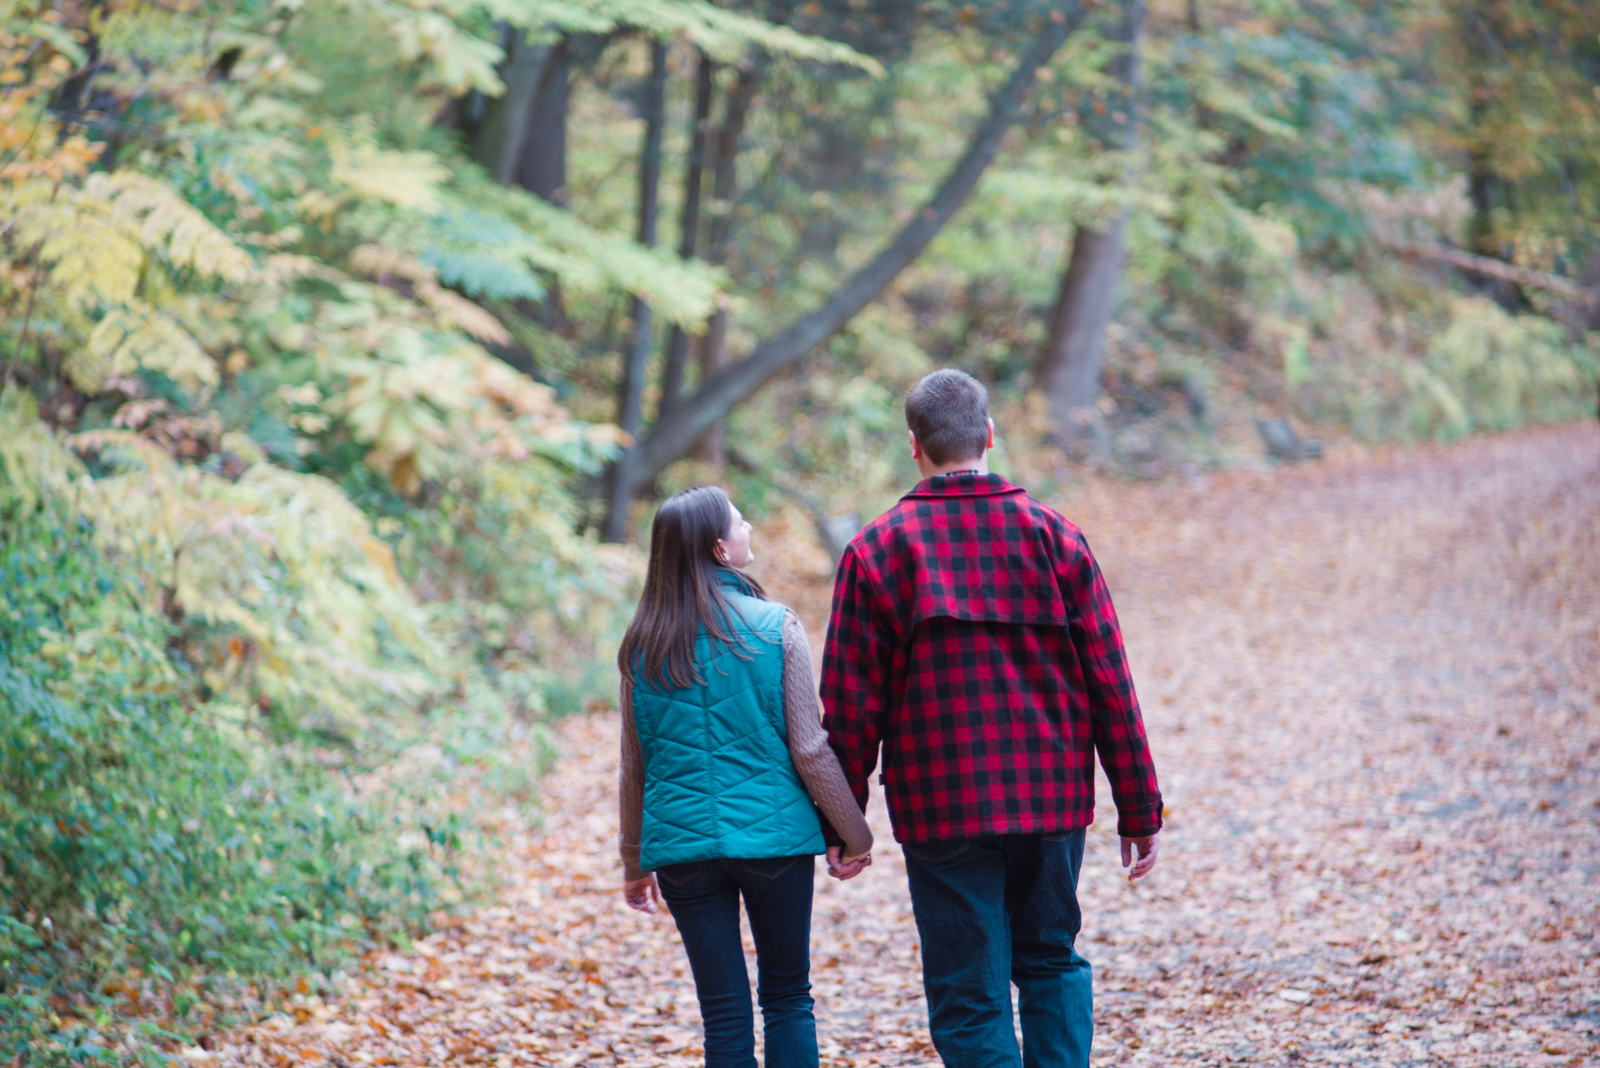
x,y
642,894
1147,855
842,867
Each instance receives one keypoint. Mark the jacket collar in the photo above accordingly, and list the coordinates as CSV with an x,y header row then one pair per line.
x,y
962,484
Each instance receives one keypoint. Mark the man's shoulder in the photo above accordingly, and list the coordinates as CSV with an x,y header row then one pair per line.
x,y
1044,515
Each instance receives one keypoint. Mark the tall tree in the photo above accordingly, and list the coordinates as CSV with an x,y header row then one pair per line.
x,y
497,142
542,159
709,447
689,223
1070,363
630,402
720,391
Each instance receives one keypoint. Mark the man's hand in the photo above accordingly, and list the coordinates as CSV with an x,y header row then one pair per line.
x,y
842,867
1147,855
642,894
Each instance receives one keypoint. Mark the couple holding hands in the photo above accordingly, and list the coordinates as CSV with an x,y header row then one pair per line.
x,y
974,641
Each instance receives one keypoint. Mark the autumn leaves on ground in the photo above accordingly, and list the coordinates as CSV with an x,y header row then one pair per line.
x,y
1372,691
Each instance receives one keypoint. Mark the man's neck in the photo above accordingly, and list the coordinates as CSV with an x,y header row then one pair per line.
x,y
978,466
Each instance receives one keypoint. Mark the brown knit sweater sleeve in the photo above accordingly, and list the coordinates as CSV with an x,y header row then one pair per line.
x,y
630,789
808,743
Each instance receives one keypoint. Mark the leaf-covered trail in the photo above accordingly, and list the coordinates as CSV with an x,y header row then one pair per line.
x,y
1373,692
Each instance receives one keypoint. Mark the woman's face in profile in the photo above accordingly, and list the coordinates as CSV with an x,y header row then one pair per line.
x,y
735,545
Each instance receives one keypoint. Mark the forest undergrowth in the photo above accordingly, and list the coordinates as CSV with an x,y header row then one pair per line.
x,y
1365,686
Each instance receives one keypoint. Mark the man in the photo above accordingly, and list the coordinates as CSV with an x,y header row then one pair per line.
x,y
974,639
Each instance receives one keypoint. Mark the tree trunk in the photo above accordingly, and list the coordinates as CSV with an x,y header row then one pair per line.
x,y
711,446
678,340
542,159
718,394
1070,364
630,400
1488,191
498,141
1589,293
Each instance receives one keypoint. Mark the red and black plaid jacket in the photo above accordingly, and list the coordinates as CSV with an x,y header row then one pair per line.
x,y
973,637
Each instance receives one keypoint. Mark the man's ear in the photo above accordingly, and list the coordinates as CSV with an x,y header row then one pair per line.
x,y
990,445
916,446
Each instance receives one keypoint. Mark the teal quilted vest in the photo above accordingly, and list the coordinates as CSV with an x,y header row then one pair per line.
x,y
718,780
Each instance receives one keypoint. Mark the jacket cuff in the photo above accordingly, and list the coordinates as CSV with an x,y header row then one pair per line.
x,y
1140,822
829,835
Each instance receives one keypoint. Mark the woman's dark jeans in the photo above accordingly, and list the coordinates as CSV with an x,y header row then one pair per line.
x,y
704,899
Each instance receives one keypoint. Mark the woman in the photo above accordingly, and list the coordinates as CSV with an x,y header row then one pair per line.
x,y
724,767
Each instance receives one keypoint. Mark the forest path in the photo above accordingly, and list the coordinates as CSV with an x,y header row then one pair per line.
x,y
1373,690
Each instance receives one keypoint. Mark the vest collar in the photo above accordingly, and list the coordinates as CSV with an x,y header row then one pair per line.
x,y
962,484
730,579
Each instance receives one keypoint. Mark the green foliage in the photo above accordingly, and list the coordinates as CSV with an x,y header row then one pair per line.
x,y
724,34
144,822
285,553
1487,370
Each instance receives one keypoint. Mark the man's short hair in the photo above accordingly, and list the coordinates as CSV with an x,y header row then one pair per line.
x,y
948,411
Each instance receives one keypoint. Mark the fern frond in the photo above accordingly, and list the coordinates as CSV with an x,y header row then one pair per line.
x,y
405,179
461,313
33,466
482,274
457,61
170,225
375,261
725,35
91,256
528,230
132,337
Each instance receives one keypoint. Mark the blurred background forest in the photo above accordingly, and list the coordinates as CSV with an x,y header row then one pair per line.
x,y
346,345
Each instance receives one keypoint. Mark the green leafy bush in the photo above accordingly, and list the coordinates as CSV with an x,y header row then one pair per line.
x,y
145,827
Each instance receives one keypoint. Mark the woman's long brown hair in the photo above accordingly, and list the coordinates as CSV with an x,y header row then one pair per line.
x,y
683,592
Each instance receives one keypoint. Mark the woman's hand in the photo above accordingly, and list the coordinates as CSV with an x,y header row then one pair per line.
x,y
642,894
842,867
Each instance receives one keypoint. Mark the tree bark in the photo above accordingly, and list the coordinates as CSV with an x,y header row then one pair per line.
x,y
542,159
678,340
630,399
1070,364
1074,354
498,141
723,389
711,446
541,165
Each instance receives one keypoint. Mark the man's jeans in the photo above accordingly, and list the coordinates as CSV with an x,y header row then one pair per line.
x,y
993,911
704,898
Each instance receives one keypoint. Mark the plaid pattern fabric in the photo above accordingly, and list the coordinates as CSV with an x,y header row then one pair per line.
x,y
974,639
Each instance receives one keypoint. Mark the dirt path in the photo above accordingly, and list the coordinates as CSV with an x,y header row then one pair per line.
x,y
1373,687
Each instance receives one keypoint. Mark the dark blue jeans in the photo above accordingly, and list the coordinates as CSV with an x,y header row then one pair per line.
x,y
993,911
704,899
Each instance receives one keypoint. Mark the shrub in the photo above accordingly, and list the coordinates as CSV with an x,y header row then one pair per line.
x,y
146,820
